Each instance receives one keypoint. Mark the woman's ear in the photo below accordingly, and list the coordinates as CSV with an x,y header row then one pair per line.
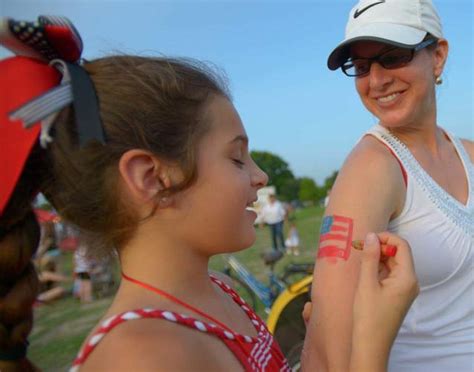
x,y
143,174
440,56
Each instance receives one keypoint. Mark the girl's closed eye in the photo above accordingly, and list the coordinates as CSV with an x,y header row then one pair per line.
x,y
240,163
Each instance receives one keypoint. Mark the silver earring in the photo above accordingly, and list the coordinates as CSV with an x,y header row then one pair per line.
x,y
438,80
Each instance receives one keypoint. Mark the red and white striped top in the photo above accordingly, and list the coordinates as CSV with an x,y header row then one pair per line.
x,y
260,353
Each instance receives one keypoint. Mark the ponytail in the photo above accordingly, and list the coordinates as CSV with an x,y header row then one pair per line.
x,y
19,239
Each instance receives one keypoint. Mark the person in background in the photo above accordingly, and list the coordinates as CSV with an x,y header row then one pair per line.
x,y
326,198
51,283
292,241
273,214
407,175
83,265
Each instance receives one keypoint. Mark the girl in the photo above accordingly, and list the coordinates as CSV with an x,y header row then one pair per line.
x,y
151,160
407,175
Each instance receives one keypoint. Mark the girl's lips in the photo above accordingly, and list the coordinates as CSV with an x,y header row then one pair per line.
x,y
252,212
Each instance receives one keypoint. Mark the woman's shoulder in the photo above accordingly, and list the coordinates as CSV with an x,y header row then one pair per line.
x,y
469,146
370,176
372,158
149,344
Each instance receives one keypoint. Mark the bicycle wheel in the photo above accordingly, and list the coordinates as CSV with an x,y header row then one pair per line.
x,y
290,329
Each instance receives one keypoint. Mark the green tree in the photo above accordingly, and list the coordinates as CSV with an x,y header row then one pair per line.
x,y
279,174
329,181
308,190
289,189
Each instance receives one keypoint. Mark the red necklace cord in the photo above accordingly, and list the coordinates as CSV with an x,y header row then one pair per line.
x,y
175,300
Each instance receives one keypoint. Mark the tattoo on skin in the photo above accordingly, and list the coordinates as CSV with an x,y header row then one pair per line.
x,y
336,237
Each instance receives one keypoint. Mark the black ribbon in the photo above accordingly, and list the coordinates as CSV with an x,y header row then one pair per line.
x,y
86,106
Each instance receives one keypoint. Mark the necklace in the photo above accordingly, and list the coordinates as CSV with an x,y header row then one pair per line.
x,y
175,300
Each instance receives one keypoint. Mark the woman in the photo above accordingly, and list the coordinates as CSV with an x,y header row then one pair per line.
x,y
406,175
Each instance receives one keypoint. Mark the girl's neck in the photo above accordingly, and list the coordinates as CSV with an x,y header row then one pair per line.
x,y
166,264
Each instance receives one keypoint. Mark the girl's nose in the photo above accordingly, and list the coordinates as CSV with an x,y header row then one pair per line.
x,y
259,177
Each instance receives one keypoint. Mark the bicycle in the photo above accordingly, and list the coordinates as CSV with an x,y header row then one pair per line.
x,y
283,298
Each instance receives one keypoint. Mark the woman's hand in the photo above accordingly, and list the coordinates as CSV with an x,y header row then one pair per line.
x,y
384,293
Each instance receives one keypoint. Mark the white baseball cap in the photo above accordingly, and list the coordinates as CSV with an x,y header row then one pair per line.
x,y
402,23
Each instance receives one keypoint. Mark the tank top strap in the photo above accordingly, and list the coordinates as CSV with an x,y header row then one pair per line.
x,y
468,166
241,302
253,352
383,135
146,313
460,214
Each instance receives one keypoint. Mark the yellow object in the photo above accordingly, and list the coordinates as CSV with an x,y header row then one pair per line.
x,y
285,298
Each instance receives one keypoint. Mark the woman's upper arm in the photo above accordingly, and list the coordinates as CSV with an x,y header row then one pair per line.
x,y
363,199
368,191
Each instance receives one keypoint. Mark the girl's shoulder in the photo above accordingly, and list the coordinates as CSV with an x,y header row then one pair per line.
x,y
151,344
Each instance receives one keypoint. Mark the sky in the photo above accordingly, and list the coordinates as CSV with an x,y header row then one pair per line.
x,y
274,54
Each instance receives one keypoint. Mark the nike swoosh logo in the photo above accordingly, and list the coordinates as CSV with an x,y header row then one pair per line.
x,y
359,12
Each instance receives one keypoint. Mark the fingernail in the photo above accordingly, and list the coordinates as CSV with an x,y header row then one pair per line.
x,y
390,250
371,238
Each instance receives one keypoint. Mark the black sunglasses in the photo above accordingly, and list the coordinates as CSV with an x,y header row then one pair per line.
x,y
390,59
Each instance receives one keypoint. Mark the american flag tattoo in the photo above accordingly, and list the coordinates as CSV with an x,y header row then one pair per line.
x,y
336,237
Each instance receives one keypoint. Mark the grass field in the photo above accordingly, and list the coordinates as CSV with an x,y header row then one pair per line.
x,y
61,327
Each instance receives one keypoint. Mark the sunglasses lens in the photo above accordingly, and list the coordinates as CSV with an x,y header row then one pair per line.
x,y
356,67
396,58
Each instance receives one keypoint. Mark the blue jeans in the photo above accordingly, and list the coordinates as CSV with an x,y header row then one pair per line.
x,y
276,230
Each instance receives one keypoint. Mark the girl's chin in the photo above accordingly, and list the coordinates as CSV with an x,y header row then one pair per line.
x,y
249,239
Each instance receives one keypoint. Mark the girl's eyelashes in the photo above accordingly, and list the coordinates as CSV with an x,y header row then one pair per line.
x,y
238,162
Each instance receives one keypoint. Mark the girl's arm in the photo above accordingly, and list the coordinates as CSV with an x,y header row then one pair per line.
x,y
369,190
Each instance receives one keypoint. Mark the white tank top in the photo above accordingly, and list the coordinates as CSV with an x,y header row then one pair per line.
x,y
438,332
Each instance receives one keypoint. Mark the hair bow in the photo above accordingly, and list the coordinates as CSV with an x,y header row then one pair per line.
x,y
43,78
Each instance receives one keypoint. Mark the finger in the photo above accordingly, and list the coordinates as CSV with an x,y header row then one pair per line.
x,y
401,267
388,250
403,254
370,261
307,312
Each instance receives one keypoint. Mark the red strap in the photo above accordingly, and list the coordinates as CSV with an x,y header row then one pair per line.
x,y
175,300
404,172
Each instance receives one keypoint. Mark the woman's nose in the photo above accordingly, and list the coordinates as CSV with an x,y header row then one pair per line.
x,y
378,76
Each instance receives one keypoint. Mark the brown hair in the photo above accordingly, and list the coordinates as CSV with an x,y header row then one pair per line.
x,y
156,104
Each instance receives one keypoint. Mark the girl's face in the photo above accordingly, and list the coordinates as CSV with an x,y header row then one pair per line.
x,y
215,207
402,96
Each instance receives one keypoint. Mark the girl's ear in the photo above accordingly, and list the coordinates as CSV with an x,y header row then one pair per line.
x,y
440,56
143,174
